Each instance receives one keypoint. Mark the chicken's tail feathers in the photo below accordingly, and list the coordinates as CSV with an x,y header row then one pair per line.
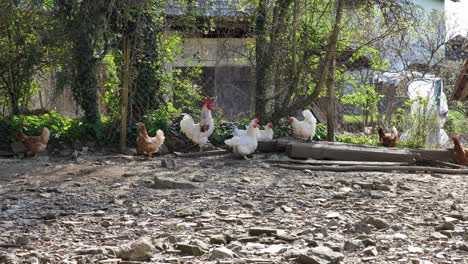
x,y
380,131
160,135
45,134
231,142
186,123
456,143
309,116
395,132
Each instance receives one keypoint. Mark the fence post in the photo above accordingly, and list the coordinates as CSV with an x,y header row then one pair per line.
x,y
125,88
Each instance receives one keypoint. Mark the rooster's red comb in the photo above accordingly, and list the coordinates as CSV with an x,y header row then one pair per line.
x,y
207,101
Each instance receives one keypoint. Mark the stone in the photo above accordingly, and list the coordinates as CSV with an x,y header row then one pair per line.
x,y
438,236
376,222
320,255
140,250
8,258
222,253
286,209
399,236
333,215
106,223
274,249
257,231
22,241
167,183
445,226
218,239
192,250
353,245
462,246
413,249
370,251
89,251
199,178
168,163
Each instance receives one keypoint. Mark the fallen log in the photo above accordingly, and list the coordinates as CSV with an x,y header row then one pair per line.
x,y
349,152
276,145
375,168
434,154
201,154
336,162
439,163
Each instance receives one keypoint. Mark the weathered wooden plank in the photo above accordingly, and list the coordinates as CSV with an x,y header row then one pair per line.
x,y
336,162
201,154
5,153
433,154
350,152
440,164
267,145
375,168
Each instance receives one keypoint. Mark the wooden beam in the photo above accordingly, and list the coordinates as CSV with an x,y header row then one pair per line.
x,y
340,151
375,168
336,162
433,154
202,154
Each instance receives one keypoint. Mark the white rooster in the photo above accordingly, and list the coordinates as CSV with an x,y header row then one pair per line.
x,y
240,132
245,144
200,132
267,133
304,129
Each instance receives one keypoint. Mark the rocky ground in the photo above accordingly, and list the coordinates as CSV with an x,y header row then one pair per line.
x,y
124,209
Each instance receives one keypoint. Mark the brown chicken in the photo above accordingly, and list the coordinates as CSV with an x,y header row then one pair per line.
x,y
459,153
388,139
147,144
34,144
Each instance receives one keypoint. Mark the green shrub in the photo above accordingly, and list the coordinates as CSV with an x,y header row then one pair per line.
x,y
359,139
456,125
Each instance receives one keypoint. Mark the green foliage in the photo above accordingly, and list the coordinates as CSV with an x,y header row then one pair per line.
x,y
320,132
62,130
419,122
21,51
223,130
456,125
365,97
359,139
182,85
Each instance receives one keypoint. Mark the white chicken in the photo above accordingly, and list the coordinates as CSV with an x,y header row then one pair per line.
x,y
304,129
267,133
200,132
245,144
240,132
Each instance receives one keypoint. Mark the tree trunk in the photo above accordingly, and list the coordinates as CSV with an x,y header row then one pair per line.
x,y
331,103
262,65
85,85
125,89
331,51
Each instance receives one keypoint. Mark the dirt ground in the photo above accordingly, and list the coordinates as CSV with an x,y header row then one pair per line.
x,y
124,209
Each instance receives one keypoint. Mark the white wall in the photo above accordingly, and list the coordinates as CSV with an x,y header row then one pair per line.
x,y
457,17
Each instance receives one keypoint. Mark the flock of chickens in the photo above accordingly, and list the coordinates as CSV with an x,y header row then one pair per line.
x,y
243,142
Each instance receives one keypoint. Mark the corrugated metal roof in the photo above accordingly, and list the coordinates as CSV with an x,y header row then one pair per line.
x,y
210,8
460,93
